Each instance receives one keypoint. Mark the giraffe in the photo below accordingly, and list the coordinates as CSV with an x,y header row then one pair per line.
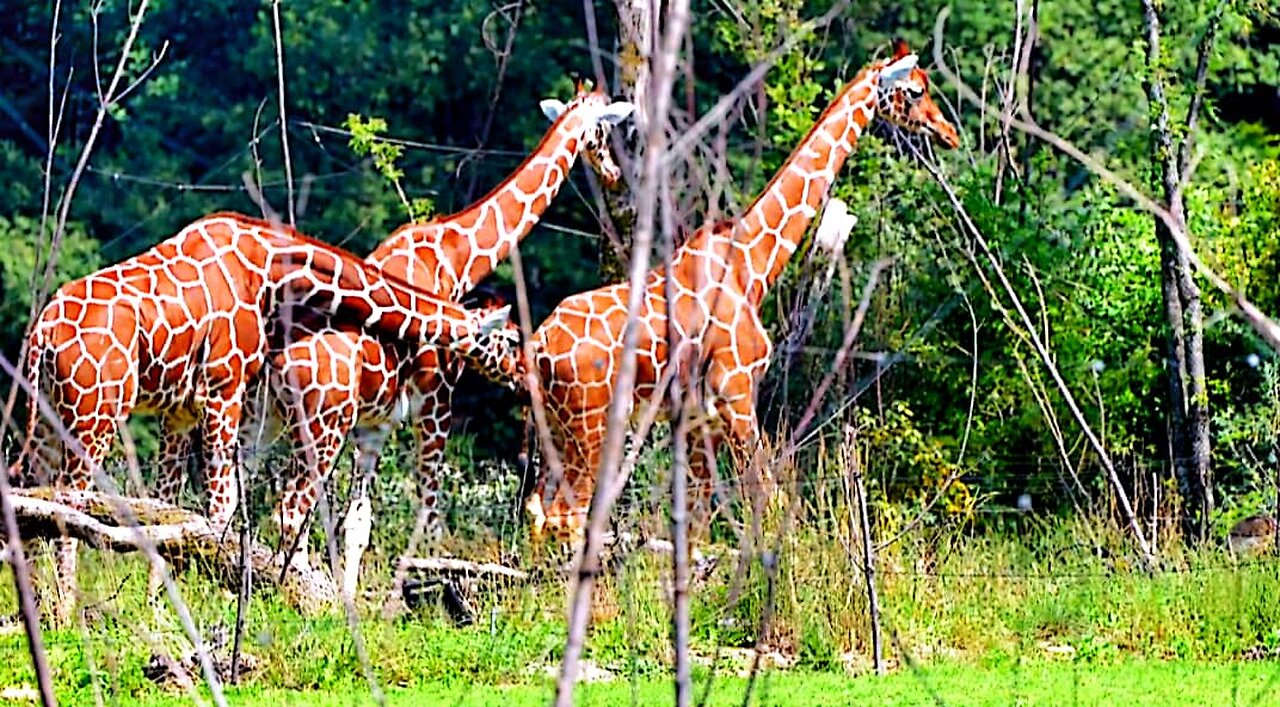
x,y
180,329
720,275
329,382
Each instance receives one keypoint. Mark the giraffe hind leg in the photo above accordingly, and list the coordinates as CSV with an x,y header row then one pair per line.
x,y
317,446
77,476
358,524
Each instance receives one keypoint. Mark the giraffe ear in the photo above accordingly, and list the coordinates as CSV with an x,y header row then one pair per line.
x,y
553,109
898,69
616,112
900,48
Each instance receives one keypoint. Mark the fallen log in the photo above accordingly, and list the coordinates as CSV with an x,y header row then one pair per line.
x,y
454,567
455,581
180,537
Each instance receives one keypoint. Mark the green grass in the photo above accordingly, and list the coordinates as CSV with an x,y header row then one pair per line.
x,y
1038,683
986,616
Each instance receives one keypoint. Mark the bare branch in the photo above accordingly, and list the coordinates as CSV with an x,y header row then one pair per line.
x,y
664,65
176,534
721,109
110,99
1203,51
503,56
146,73
26,599
284,123
1263,325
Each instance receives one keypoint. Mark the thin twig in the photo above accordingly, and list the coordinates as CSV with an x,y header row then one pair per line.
x,y
26,596
868,551
593,38
504,57
284,123
64,210
620,408
714,117
246,578
680,535
1203,51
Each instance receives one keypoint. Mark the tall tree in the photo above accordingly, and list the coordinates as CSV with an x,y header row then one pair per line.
x,y
635,30
1188,391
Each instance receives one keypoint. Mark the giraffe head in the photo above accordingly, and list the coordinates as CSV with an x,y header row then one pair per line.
x,y
560,522
594,114
495,352
904,98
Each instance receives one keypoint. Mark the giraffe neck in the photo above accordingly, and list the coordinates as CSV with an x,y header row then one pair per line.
x,y
352,291
471,242
773,225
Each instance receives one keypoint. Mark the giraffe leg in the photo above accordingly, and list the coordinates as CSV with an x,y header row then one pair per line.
x,y
730,390
357,525
77,476
560,506
756,488
175,453
317,445
221,457
702,444
431,433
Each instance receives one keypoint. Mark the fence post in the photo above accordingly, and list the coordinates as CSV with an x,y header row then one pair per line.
x,y
868,547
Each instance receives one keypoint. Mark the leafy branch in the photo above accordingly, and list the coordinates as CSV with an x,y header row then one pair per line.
x,y
366,141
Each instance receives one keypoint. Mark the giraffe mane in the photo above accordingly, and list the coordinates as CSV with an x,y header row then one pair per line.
x,y
546,137
294,234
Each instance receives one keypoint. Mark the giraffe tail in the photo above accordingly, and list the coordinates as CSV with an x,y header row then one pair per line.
x,y
33,364
526,463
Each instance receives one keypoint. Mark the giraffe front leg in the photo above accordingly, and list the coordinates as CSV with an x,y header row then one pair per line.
x,y
431,434
221,458
560,504
730,390
756,486
355,532
175,453
702,443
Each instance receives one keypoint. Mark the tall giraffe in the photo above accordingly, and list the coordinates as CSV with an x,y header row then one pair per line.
x,y
331,381
720,276
180,329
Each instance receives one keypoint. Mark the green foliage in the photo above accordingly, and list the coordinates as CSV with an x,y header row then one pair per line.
x,y
366,139
1084,261
26,255
911,466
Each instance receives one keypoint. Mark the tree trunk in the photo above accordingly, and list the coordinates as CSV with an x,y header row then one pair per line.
x,y
1188,393
635,38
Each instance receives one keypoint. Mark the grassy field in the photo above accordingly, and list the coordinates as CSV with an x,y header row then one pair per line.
x,y
1035,683
1005,619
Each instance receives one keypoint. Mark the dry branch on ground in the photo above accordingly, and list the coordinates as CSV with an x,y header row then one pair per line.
x,y
179,536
